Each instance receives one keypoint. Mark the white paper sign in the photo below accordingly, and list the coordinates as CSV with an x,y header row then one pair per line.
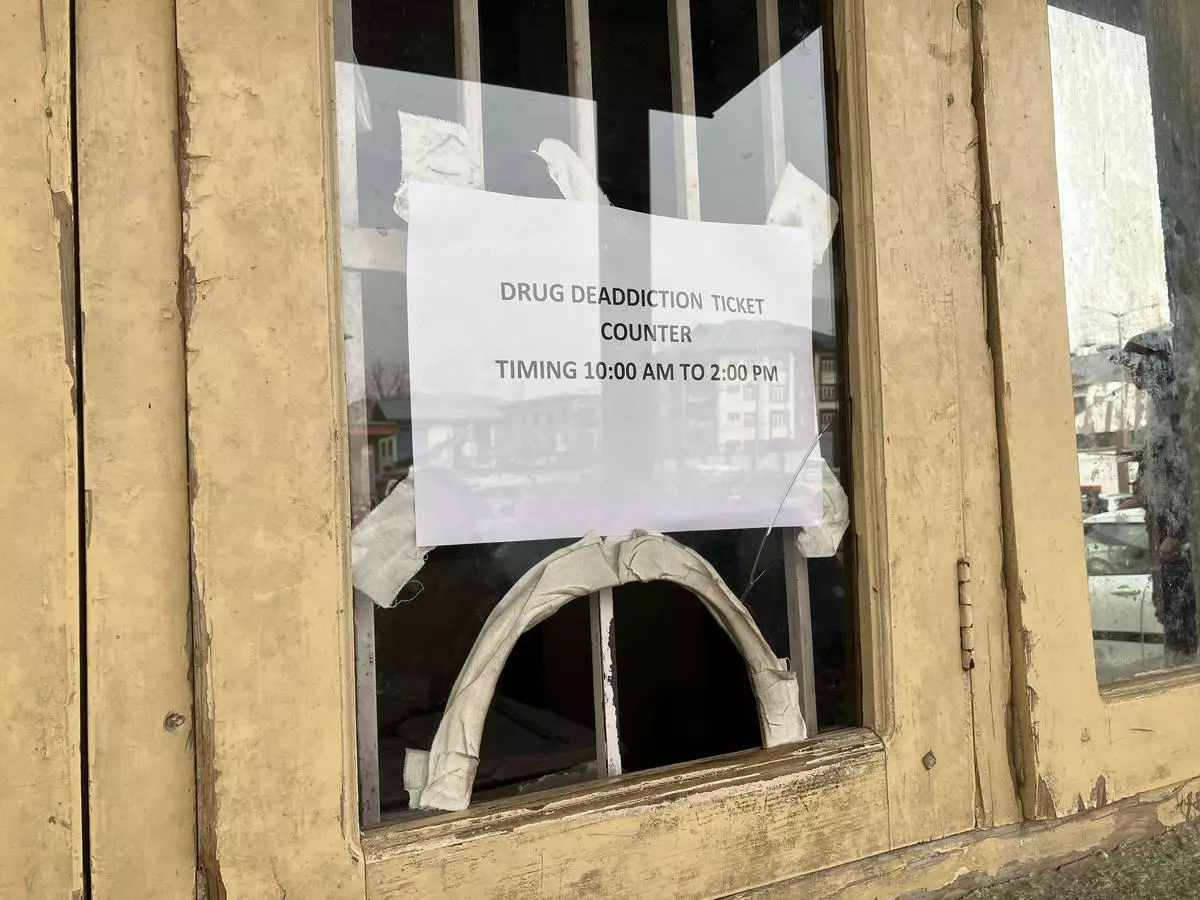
x,y
577,367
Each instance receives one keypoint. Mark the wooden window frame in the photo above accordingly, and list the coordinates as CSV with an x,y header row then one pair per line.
x,y
364,252
273,615
1080,746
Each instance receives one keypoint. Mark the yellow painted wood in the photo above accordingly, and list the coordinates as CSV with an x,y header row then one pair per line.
x,y
700,830
274,660
41,827
997,801
1076,748
912,277
1056,701
964,863
140,737
266,424
914,284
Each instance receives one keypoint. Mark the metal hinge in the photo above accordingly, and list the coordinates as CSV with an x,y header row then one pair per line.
x,y
966,615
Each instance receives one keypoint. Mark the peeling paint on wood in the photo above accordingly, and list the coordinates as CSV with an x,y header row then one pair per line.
x,y
912,260
697,842
270,582
64,216
1055,695
961,864
142,767
698,830
41,829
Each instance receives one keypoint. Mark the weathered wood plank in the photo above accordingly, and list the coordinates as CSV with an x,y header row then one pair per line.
x,y
1156,720
41,830
1056,701
909,266
1076,748
266,420
967,862
982,519
699,830
141,761
40,765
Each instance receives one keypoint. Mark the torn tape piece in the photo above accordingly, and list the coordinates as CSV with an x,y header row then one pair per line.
x,y
588,566
435,151
416,769
800,202
777,696
822,540
569,173
384,555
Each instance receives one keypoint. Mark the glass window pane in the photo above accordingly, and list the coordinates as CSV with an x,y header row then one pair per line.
x,y
1125,115
485,421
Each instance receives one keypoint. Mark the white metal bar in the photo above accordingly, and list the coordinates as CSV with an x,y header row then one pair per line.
x,y
579,80
353,331
579,49
343,31
604,684
366,710
374,249
347,143
800,633
600,606
683,89
469,66
799,603
770,84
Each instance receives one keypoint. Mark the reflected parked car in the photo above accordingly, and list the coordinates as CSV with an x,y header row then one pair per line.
x,y
1117,543
1127,635
1115,501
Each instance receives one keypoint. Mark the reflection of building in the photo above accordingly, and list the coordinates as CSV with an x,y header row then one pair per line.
x,y
378,431
754,411
825,375
548,426
762,413
1109,410
767,410
463,428
757,413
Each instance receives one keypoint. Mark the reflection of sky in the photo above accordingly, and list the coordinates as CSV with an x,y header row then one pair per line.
x,y
1113,250
732,161
733,180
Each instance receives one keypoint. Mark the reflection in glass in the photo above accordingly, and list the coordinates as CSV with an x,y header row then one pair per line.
x,y
615,114
1132,326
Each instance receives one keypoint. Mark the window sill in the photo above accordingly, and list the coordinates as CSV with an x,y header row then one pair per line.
x,y
777,814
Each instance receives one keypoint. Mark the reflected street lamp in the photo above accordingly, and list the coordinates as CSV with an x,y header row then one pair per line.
x,y
1126,427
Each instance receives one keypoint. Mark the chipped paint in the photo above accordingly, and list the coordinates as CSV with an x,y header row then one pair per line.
x,y
41,790
956,866
64,216
265,499
139,653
